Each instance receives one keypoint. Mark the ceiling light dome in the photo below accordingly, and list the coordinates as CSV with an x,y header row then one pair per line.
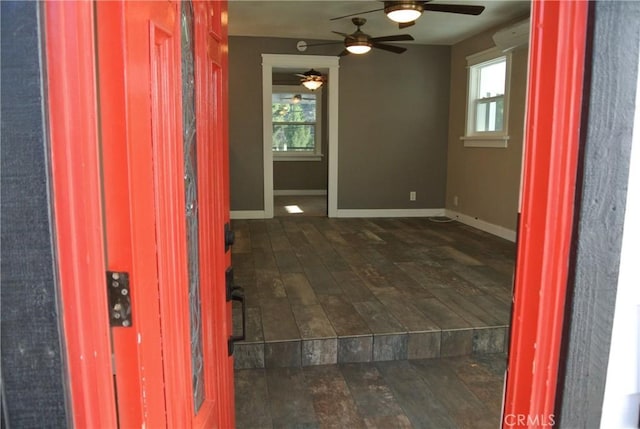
x,y
312,80
403,11
358,48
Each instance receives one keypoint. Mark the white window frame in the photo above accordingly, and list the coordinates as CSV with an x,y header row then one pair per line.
x,y
472,138
307,156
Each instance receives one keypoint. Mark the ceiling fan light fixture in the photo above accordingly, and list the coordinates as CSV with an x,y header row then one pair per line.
x,y
402,11
312,80
312,84
358,49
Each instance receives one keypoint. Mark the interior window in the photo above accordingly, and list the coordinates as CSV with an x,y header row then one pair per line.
x,y
487,108
296,119
489,95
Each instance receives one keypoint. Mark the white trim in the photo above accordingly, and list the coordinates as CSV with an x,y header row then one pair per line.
x,y
247,214
295,157
486,138
269,61
500,231
481,141
295,192
484,56
363,213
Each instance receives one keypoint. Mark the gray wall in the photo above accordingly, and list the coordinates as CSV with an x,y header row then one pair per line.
x,y
485,180
33,373
392,133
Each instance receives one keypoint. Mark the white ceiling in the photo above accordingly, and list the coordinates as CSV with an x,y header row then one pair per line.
x,y
310,19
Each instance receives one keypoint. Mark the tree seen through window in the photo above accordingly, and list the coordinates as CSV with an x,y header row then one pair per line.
x,y
294,122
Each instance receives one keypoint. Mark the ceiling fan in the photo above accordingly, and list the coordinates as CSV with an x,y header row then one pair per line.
x,y
405,13
294,99
311,79
359,42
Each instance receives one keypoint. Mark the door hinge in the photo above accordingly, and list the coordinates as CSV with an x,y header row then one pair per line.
x,y
119,299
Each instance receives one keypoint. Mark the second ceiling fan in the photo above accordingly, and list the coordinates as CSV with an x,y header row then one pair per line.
x,y
406,12
360,42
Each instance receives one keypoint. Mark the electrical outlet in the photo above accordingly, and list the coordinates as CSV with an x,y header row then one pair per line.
x,y
412,196
455,200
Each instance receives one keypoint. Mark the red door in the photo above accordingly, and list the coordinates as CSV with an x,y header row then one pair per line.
x,y
162,108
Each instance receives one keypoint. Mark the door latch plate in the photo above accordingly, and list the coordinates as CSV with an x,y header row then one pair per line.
x,y
119,299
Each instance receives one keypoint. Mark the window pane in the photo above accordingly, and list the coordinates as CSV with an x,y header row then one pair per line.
x,y
492,79
294,138
481,114
489,115
293,107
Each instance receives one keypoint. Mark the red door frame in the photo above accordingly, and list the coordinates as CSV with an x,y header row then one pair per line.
x,y
555,89
75,172
556,70
77,201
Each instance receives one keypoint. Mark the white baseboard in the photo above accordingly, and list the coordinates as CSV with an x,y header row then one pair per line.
x,y
247,214
497,230
389,212
482,225
284,192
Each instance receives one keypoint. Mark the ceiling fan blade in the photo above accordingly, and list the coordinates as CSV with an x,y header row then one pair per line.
x,y
343,53
327,43
356,14
402,25
396,38
454,8
342,34
390,48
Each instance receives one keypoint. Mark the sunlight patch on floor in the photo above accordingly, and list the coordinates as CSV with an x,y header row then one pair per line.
x,y
293,209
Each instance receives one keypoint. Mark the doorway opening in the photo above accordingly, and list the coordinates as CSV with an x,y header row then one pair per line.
x,y
281,198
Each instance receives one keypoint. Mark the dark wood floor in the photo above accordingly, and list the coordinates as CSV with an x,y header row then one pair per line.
x,y
378,323
458,392
323,291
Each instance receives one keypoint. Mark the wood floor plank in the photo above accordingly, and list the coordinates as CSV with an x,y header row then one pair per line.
x,y
264,259
297,238
378,320
269,284
299,291
477,373
278,323
352,286
287,261
370,391
345,319
279,241
252,399
322,281
312,322
260,240
307,257
411,318
332,400
418,401
461,404
467,308
290,401
444,316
